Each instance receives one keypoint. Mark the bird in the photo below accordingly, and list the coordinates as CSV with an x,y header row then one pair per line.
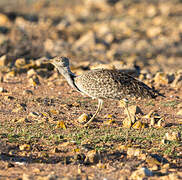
x,y
102,84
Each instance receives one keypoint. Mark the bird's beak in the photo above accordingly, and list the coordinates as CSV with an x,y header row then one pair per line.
x,y
48,61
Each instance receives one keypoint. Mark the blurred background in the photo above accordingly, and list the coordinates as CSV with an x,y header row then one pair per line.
x,y
146,33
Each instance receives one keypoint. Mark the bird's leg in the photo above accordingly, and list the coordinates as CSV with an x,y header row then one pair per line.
x,y
100,102
125,101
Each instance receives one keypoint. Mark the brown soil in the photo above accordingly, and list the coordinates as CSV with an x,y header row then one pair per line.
x,y
40,135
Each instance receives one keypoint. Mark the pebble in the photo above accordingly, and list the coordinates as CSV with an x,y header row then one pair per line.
x,y
27,177
161,79
141,173
34,81
10,74
173,136
3,60
10,165
21,120
152,161
31,73
2,90
138,125
24,147
134,152
17,109
154,168
9,98
34,114
92,157
27,92
20,62
123,177
134,110
174,176
153,31
86,41
177,81
4,20
179,112
83,118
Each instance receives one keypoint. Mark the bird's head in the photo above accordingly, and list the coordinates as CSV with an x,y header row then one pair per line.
x,y
60,62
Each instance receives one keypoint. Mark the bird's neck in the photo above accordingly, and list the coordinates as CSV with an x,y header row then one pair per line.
x,y
69,76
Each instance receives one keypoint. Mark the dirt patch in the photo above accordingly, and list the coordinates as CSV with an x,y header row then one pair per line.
x,y
40,135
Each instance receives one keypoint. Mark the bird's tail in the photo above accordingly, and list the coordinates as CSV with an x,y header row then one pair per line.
x,y
157,93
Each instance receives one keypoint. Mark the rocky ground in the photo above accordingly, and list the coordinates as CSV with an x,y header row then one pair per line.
x,y
41,117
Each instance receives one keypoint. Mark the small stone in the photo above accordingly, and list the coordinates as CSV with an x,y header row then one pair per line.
x,y
123,148
76,104
165,8
154,168
26,177
166,166
160,123
10,74
2,90
152,160
3,60
143,156
61,125
161,79
24,147
55,150
51,177
170,77
34,81
109,121
1,79
151,11
153,31
134,152
177,81
141,173
164,141
9,98
179,105
20,107
164,171
10,165
138,125
27,92
173,136
17,109
20,62
34,114
83,118
174,176
4,20
31,73
134,110
179,112
92,157
22,120
36,170
123,177
86,41
53,111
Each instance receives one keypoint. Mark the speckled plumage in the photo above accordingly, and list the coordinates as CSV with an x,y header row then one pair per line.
x,y
104,84
112,84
